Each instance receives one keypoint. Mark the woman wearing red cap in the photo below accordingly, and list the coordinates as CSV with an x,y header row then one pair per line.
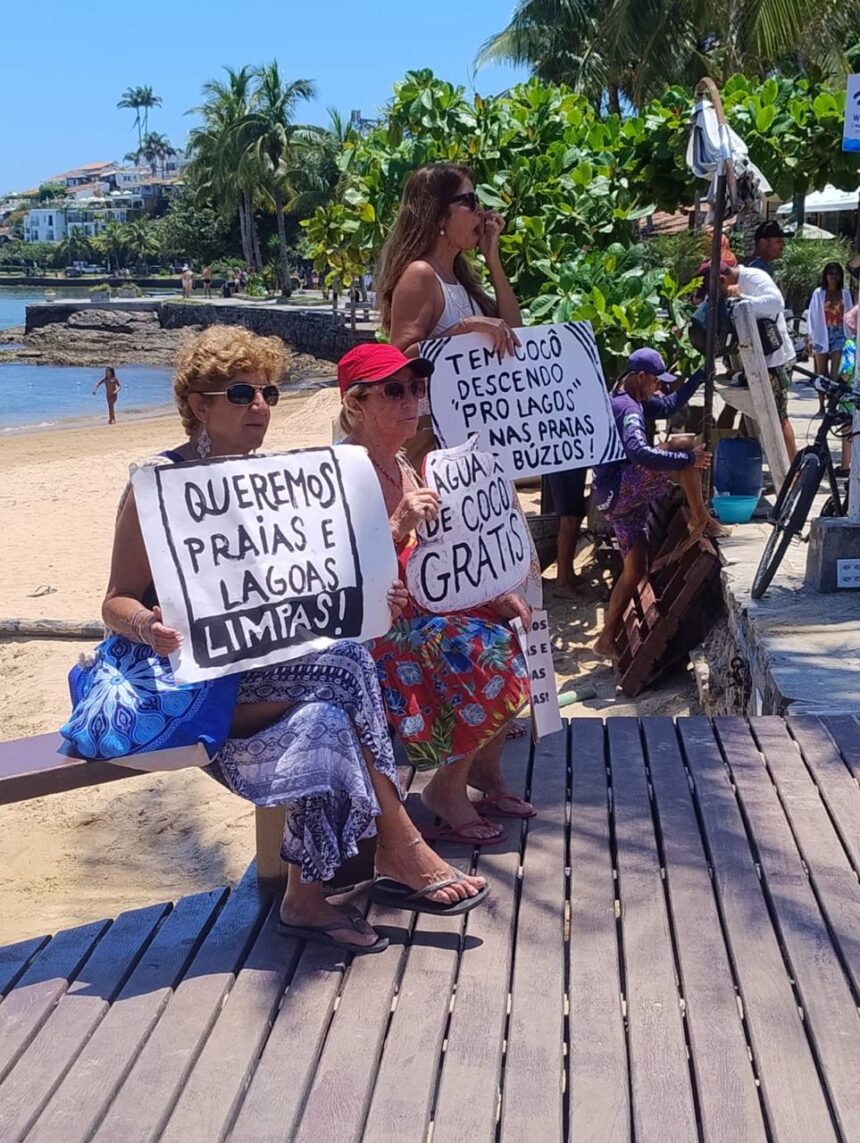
x,y
426,285
451,683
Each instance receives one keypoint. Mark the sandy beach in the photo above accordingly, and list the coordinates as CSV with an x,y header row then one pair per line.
x,y
91,853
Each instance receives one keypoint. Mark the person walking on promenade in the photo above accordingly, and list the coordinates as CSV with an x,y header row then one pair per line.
x,y
207,281
112,387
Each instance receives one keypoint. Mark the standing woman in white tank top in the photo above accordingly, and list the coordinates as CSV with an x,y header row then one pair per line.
x,y
426,285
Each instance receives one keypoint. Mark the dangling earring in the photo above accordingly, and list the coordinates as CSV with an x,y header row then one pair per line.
x,y
204,444
442,231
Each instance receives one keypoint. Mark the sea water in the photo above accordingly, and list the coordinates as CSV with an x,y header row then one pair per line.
x,y
44,396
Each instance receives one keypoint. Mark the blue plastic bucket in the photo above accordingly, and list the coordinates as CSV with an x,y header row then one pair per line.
x,y
734,509
737,467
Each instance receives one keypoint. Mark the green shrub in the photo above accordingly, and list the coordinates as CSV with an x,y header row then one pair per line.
x,y
679,254
798,271
256,287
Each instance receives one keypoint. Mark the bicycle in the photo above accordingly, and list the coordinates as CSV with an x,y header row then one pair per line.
x,y
803,479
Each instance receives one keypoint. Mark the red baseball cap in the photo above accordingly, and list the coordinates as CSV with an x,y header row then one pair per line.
x,y
375,361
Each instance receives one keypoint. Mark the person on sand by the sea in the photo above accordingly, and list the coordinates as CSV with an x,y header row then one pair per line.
x,y
623,489
309,734
112,387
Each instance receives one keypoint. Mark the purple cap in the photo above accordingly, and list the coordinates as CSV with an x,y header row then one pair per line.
x,y
650,361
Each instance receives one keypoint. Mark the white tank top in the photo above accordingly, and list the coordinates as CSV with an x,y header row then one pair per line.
x,y
458,305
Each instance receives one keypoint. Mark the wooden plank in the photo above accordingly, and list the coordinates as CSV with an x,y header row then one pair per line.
x,y
269,829
88,1087
661,1091
830,1012
836,883
146,1098
467,1103
33,767
275,1098
836,783
535,1063
34,997
844,729
795,1106
598,1084
760,391
213,1091
729,1105
15,958
35,1077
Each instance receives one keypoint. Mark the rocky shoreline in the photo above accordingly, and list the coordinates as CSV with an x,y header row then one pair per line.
x,y
121,337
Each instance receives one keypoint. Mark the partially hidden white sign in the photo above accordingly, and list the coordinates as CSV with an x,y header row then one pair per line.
x,y
851,128
544,409
261,559
537,652
477,547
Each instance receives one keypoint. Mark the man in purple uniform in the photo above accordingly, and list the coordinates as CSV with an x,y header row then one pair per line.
x,y
623,489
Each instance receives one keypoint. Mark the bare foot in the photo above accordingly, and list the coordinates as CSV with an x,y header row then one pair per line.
x,y
418,866
456,810
605,649
574,589
715,530
355,931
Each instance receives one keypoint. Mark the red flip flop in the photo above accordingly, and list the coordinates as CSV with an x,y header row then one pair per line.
x,y
459,837
489,804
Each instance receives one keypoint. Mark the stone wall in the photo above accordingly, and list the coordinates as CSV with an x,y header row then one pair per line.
x,y
58,313
307,331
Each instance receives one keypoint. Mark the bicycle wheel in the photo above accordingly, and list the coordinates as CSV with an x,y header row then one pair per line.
x,y
794,508
788,483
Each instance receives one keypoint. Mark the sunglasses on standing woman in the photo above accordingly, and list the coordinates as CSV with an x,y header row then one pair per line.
x,y
470,200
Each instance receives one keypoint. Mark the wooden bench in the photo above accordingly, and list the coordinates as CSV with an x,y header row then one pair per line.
x,y
34,767
672,952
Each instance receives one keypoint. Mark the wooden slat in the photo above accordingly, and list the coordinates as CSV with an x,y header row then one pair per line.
x,y
844,729
837,784
795,1105
534,1065
468,1099
99,1069
831,1014
729,1105
275,1098
151,1088
33,767
35,1077
15,958
34,997
662,1097
836,883
212,1093
598,1083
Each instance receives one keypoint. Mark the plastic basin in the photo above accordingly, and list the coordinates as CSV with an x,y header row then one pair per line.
x,y
734,509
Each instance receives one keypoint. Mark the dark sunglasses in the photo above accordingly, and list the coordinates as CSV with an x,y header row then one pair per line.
x,y
243,393
396,390
470,200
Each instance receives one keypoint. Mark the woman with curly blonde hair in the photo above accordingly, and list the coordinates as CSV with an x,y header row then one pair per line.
x,y
309,734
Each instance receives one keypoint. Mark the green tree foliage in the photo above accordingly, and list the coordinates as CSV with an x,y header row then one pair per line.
x,y
192,232
51,192
140,100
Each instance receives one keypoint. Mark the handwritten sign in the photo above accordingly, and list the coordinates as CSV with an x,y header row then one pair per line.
x,y
477,547
261,559
537,652
544,409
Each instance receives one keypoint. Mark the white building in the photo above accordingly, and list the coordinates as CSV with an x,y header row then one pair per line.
x,y
88,213
46,224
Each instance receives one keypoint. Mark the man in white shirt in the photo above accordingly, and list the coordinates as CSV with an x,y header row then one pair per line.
x,y
757,286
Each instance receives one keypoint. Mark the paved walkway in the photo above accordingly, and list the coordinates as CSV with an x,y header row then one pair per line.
x,y
671,953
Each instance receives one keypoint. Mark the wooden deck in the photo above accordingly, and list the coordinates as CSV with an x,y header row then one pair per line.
x,y
672,953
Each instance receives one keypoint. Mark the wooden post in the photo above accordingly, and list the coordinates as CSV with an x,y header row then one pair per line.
x,y
761,393
271,870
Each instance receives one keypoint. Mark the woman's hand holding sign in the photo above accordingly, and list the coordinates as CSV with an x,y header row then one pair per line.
x,y
513,606
417,506
505,340
163,640
398,598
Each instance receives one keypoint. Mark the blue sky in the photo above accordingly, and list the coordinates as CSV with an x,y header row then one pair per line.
x,y
65,64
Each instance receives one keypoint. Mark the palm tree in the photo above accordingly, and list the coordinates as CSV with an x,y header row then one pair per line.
x,y
156,149
315,173
139,99
113,243
267,138
633,50
216,172
141,238
75,247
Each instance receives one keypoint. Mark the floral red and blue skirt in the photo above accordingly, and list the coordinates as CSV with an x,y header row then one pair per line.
x,y
450,683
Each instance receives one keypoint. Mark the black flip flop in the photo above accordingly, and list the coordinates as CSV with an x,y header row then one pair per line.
x,y
321,933
395,895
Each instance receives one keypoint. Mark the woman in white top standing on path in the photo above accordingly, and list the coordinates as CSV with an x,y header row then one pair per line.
x,y
426,286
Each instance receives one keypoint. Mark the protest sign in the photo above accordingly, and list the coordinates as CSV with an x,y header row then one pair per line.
x,y
261,559
851,128
544,409
477,547
537,652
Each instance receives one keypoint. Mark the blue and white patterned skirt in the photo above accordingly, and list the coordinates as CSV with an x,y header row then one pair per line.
x,y
311,760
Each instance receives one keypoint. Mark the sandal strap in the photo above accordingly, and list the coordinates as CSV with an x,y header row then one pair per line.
x,y
445,883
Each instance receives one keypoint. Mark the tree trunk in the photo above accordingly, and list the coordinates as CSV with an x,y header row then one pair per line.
x,y
243,231
800,209
614,99
283,271
257,257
